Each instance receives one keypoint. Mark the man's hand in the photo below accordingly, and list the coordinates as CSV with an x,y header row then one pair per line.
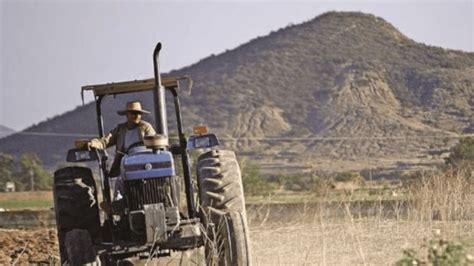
x,y
94,144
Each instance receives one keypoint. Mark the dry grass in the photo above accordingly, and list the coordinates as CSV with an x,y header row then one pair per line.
x,y
27,195
447,195
366,241
351,232
26,200
348,233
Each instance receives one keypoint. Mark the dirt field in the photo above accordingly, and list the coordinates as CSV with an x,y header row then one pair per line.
x,y
357,242
21,247
344,232
312,237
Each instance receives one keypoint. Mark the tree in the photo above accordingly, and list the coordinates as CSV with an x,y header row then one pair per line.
x,y
32,174
462,153
7,168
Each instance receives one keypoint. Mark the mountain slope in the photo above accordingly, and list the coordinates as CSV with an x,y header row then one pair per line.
x,y
344,86
5,131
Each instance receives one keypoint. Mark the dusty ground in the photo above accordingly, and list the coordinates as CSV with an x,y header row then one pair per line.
x,y
361,242
346,241
22,247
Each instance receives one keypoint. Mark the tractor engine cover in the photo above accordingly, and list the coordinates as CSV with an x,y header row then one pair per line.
x,y
149,178
147,165
151,192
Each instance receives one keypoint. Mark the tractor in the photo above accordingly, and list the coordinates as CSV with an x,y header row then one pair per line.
x,y
152,220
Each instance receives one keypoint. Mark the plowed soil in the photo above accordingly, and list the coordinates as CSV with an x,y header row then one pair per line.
x,y
21,247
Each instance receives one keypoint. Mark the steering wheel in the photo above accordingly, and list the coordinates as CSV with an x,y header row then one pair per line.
x,y
134,145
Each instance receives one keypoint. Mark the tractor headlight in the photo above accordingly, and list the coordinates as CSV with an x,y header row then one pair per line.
x,y
201,142
82,155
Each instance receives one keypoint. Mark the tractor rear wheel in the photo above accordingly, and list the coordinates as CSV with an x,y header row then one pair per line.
x,y
79,248
223,209
75,205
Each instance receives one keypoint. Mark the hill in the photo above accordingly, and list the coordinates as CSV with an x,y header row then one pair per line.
x,y
344,91
5,131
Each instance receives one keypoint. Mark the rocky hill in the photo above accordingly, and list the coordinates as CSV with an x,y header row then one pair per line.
x,y
5,131
344,91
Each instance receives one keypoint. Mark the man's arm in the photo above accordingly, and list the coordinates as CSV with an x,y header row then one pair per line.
x,y
149,130
105,142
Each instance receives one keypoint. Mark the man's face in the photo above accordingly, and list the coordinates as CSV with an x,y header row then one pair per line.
x,y
134,118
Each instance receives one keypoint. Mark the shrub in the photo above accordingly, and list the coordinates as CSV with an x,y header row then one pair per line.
x,y
296,183
299,183
29,168
253,182
437,252
462,153
346,177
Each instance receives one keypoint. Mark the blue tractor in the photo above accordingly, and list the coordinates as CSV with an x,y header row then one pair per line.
x,y
149,220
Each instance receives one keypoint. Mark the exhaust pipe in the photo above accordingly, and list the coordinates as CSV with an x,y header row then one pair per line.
x,y
159,96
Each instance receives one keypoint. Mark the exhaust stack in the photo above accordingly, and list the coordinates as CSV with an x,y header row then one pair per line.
x,y
159,96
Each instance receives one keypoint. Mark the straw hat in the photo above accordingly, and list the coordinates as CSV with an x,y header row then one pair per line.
x,y
135,106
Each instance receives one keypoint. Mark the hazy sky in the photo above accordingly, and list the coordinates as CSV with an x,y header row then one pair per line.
x,y
49,49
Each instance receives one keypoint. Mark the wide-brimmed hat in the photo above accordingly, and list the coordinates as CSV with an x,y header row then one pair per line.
x,y
134,106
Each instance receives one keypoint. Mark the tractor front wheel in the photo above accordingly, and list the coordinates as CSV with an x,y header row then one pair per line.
x,y
223,209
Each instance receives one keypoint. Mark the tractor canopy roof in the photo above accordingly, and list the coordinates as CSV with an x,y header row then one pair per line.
x,y
135,86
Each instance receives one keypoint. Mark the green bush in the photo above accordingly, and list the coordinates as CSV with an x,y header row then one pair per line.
x,y
303,183
253,182
462,153
25,173
31,168
346,177
295,183
437,252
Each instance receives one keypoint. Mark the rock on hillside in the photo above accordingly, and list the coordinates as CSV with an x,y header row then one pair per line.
x,y
344,91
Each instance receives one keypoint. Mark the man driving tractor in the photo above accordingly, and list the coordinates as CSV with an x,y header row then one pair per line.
x,y
148,220
125,134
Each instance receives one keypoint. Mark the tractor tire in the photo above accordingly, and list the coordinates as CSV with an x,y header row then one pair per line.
x,y
222,208
79,248
75,205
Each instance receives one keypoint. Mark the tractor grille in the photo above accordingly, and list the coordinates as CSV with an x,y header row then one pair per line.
x,y
138,167
147,191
